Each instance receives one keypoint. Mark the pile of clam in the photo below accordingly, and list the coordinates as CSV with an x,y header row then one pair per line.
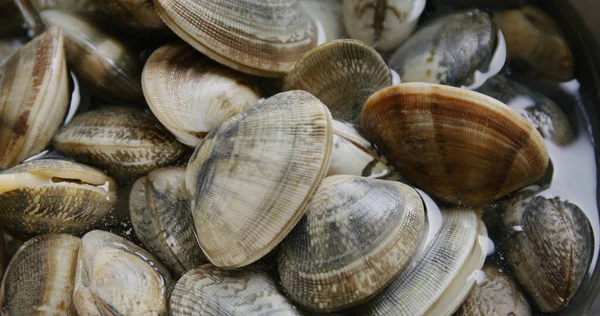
x,y
200,157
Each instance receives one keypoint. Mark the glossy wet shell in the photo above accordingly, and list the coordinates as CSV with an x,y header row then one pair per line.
x,y
342,74
264,38
448,50
104,61
114,276
548,244
40,277
191,94
356,236
460,146
497,294
33,97
53,196
251,178
534,40
137,16
209,290
161,218
124,141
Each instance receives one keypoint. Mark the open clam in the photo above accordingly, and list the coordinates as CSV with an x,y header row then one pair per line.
x,y
356,236
461,146
251,178
191,94
342,74
264,38
53,196
34,97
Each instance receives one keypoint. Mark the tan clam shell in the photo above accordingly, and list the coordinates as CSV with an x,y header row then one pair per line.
x,y
40,278
104,61
356,237
251,178
116,277
53,196
459,145
264,38
138,16
209,290
33,97
191,94
161,218
124,141
342,74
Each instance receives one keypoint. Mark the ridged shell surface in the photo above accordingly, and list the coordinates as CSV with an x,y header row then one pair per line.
x,y
191,94
33,97
251,178
356,236
40,277
264,38
342,74
161,218
124,141
209,290
459,145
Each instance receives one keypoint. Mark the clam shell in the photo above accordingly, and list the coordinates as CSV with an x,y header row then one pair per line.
x,y
53,196
548,244
190,94
116,277
137,16
342,74
161,218
209,290
105,62
40,278
9,45
251,178
534,40
356,237
34,97
264,38
460,146
329,14
124,141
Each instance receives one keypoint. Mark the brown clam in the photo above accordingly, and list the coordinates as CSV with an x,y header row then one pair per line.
x,y
251,178
40,278
264,38
33,97
137,16
342,74
461,146
191,94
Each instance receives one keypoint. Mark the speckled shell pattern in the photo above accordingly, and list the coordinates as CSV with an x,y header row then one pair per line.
x,y
251,178
260,37
458,145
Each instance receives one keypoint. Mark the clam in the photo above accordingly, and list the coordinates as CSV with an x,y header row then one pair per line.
x,y
328,15
105,62
547,117
161,218
458,145
496,294
382,24
264,38
342,74
53,196
34,97
137,16
548,245
124,141
357,235
448,50
190,94
535,42
40,278
352,154
9,45
209,290
251,178
116,277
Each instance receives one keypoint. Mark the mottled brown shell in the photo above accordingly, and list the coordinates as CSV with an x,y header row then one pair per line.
x,y
459,145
